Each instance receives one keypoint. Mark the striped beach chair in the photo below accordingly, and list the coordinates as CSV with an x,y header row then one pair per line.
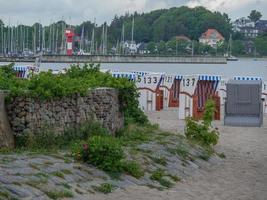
x,y
21,71
206,88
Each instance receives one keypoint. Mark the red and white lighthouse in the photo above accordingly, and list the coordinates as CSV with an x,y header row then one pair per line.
x,y
69,34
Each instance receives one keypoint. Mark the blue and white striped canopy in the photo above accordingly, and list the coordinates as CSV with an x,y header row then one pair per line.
x,y
209,78
178,77
130,76
20,68
247,78
140,73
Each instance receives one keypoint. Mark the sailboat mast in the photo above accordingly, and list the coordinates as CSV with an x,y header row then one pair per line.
x,y
82,39
106,40
43,39
122,39
133,30
92,47
230,45
39,36
56,45
2,40
103,39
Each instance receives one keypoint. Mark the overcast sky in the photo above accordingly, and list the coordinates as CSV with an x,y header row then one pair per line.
x,y
76,11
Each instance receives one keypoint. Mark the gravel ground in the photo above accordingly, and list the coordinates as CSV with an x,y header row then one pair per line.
x,y
242,175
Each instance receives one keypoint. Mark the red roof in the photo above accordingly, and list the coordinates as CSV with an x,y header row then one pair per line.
x,y
212,34
182,37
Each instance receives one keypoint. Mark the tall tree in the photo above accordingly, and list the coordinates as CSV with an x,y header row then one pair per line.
x,y
255,15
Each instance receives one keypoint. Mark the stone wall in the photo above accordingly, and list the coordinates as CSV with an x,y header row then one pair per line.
x,y
102,104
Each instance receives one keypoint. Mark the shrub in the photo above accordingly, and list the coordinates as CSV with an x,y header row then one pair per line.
x,y
132,168
182,151
104,152
135,133
79,150
203,132
77,80
158,176
85,130
104,188
45,140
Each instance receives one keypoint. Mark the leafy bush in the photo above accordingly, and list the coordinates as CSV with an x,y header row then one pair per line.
x,y
39,141
48,140
203,132
77,80
158,176
132,168
104,152
104,188
134,133
85,130
79,150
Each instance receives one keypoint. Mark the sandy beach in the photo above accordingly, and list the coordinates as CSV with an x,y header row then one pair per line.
x,y
241,176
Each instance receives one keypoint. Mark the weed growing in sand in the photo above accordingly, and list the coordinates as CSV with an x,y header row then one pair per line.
x,y
221,155
132,168
59,194
203,132
104,188
158,176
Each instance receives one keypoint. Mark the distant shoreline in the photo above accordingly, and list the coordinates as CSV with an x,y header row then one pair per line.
x,y
121,59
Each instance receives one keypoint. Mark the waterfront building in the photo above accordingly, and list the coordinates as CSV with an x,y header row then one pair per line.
x,y
211,37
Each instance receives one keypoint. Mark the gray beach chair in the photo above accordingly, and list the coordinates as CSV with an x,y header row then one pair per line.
x,y
243,106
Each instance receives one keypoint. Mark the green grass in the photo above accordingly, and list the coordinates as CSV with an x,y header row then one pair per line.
x,y
174,178
158,176
104,188
66,185
66,171
160,160
41,174
132,168
59,194
221,155
58,174
182,152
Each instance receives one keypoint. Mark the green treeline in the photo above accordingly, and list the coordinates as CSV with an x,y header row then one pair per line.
x,y
157,28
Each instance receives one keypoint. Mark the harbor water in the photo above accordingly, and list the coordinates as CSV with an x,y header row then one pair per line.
x,y
242,67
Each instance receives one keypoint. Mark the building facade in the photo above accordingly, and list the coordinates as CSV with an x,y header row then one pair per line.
x,y
211,37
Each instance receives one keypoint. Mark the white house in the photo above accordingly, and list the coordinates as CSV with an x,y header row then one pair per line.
x,y
211,37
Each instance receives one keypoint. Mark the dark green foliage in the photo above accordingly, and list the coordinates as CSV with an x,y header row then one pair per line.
x,y
59,194
255,15
182,152
49,140
132,168
85,130
45,140
104,188
135,134
104,152
261,44
158,176
221,155
238,47
160,160
202,131
77,81
154,26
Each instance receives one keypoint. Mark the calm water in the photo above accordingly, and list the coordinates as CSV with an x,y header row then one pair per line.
x,y
243,67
